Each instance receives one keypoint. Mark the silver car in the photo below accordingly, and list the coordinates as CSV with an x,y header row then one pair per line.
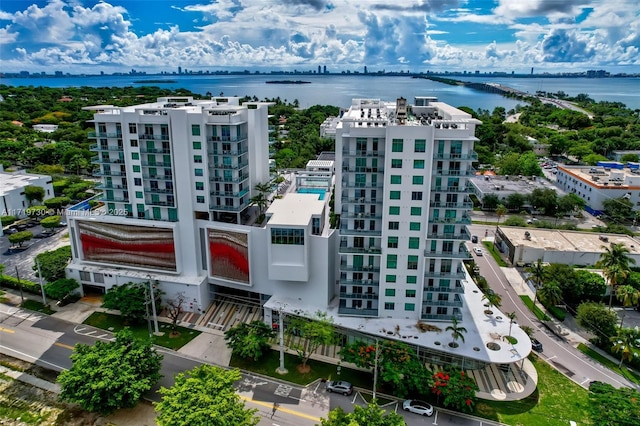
x,y
342,387
418,407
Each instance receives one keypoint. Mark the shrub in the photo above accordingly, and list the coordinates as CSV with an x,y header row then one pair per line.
x,y
7,220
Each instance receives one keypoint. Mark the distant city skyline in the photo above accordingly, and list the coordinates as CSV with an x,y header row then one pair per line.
x,y
90,36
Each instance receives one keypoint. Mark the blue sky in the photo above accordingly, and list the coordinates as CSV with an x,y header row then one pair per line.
x,y
420,35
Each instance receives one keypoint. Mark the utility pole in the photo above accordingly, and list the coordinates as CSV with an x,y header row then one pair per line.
x,y
281,369
375,368
44,298
20,286
153,306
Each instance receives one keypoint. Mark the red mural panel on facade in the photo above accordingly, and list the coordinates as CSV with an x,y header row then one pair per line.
x,y
140,246
229,254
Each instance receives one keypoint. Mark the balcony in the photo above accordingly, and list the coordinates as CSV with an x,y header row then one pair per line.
x,y
450,303
467,205
361,312
462,254
455,275
238,208
153,137
160,164
361,268
226,139
441,317
361,296
362,250
351,215
232,153
102,173
239,165
229,179
464,220
362,153
160,203
457,290
96,147
98,160
369,283
472,155
228,193
114,199
463,235
105,185
456,189
363,169
360,232
94,135
158,191
146,150
158,177
362,184
450,172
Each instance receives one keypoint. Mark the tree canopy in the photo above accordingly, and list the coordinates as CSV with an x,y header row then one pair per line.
x,y
371,415
130,299
53,263
249,340
315,332
204,396
110,375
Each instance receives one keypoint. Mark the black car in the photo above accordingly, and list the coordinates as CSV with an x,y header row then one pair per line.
x,y
474,238
536,345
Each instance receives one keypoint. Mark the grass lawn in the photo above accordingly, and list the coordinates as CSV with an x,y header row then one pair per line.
x,y
141,331
556,401
319,370
34,305
494,253
534,308
613,366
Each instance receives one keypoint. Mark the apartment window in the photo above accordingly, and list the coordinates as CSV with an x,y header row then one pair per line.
x,y
412,262
136,169
197,145
195,130
396,163
135,156
199,186
414,226
394,195
199,172
396,179
410,293
392,261
409,307
441,310
200,199
390,306
391,292
390,279
287,236
392,242
85,276
137,181
420,145
416,195
412,279
134,143
416,211
394,226
414,242
197,159
418,180
133,129
418,164
139,194
396,145
394,210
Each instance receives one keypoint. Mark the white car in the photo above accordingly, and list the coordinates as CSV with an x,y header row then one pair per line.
x,y
418,407
477,251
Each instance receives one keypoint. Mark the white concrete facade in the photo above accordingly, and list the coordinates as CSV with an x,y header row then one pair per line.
x,y
13,201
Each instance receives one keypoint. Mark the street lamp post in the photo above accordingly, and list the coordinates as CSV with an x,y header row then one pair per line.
x,y
375,368
153,306
281,369
44,298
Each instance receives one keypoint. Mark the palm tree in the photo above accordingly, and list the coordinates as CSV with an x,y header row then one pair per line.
x,y
493,299
615,262
551,293
537,275
501,210
628,295
456,331
263,187
512,318
627,342
259,200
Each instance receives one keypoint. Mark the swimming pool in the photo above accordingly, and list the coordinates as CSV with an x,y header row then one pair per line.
x,y
319,191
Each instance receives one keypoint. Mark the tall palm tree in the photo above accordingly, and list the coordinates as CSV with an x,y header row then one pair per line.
x,y
501,210
628,295
551,293
615,262
493,299
627,342
259,200
457,332
263,187
512,318
537,275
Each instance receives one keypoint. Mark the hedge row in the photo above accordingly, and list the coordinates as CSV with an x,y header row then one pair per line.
x,y
12,282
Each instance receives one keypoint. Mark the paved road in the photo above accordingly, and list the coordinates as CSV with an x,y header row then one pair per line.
x,y
558,352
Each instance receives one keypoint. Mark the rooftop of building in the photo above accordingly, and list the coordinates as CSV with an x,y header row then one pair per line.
x,y
567,241
484,340
10,181
506,185
295,209
609,174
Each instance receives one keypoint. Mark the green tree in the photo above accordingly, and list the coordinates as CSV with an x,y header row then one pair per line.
x,y
599,320
609,406
627,343
60,288
619,209
515,201
493,299
129,299
545,200
371,415
593,285
457,388
490,202
570,203
78,163
457,332
37,211
615,263
50,222
249,340
551,293
7,220
537,275
204,396
20,237
57,203
259,200
34,193
315,332
53,263
627,295
512,319
110,375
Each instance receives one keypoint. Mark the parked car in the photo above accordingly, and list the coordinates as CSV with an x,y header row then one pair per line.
x,y
474,239
418,407
477,251
340,386
536,345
